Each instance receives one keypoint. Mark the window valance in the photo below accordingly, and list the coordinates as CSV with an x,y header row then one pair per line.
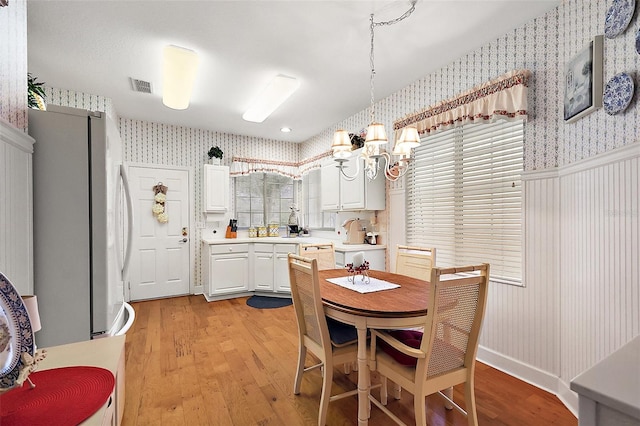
x,y
243,166
502,98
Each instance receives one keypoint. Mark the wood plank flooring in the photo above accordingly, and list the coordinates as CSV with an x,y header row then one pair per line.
x,y
190,362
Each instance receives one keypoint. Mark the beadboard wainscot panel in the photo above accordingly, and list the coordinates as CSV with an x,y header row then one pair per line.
x,y
520,334
16,207
599,273
13,64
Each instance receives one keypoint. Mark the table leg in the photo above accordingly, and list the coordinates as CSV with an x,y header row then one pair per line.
x,y
363,375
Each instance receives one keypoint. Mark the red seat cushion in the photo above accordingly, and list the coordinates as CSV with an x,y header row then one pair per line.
x,y
412,338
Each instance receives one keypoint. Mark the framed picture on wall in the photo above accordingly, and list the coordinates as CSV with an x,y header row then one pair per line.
x,y
583,81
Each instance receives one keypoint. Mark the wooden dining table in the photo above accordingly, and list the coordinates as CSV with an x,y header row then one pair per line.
x,y
401,307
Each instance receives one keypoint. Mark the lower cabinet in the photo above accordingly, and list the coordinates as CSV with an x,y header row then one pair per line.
x,y
228,269
270,267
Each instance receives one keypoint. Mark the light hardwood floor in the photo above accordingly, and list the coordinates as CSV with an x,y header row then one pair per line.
x,y
190,362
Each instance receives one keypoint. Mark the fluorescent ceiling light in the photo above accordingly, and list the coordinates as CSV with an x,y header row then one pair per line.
x,y
276,92
179,75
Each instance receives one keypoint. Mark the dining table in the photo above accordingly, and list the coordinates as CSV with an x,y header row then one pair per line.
x,y
401,307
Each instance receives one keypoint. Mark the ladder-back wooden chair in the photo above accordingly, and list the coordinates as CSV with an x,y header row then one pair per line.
x,y
324,253
445,354
415,262
330,341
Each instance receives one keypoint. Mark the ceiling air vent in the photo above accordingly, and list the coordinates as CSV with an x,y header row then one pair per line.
x,y
140,85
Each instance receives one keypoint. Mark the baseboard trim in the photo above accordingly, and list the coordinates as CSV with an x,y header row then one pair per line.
x,y
532,375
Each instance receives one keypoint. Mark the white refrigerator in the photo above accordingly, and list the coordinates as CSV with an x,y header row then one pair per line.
x,y
82,211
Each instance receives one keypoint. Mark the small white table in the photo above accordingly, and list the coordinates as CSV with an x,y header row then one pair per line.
x,y
107,353
609,392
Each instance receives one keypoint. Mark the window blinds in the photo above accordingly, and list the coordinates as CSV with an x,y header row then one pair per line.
x,y
464,197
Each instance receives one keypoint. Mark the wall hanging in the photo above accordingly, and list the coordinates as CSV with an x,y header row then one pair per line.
x,y
160,199
583,81
618,17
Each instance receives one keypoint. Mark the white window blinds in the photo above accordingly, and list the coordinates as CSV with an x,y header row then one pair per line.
x,y
464,197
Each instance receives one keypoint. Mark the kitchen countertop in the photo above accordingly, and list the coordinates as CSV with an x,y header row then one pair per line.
x,y
339,246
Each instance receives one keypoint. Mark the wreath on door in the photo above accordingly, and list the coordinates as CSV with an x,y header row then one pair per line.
x,y
160,199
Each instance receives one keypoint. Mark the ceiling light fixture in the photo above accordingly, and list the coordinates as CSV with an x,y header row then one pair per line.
x,y
285,129
277,91
179,75
376,134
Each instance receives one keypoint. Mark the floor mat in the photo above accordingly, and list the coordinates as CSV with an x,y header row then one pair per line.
x,y
264,302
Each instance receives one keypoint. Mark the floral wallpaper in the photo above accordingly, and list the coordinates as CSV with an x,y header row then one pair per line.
x,y
542,46
13,64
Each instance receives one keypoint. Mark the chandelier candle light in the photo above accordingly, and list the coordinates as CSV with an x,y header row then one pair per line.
x,y
376,134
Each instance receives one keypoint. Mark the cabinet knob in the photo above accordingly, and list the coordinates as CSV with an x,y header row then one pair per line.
x,y
230,248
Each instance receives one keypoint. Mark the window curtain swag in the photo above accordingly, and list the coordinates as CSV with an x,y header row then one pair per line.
x,y
244,166
502,98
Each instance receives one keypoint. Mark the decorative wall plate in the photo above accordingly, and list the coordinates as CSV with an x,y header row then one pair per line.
x,y
618,17
16,336
618,93
638,41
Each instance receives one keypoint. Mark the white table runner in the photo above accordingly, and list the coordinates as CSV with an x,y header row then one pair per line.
x,y
361,287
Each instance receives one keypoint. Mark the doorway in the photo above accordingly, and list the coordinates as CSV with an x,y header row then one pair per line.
x,y
160,253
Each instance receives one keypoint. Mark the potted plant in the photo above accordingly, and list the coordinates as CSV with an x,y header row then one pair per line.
x,y
215,155
35,93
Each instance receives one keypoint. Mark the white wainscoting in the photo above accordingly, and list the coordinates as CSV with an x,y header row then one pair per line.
x,y
16,207
581,299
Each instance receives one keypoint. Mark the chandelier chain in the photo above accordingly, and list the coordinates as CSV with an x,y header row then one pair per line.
x,y
372,25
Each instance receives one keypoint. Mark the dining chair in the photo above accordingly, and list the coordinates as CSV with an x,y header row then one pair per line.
x,y
332,342
445,355
324,253
415,262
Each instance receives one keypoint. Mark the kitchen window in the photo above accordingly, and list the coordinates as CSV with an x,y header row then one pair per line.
x,y
313,215
263,198
464,197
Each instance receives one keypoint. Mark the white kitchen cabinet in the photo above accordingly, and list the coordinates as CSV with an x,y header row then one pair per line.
x,y
375,257
338,193
216,189
271,268
228,269
263,267
281,266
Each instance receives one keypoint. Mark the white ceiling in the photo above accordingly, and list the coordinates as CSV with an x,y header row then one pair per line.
x,y
94,46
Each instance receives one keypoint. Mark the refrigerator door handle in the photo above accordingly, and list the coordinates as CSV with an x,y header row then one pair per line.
x,y
130,216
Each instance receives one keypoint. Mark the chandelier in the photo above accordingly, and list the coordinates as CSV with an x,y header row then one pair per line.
x,y
396,164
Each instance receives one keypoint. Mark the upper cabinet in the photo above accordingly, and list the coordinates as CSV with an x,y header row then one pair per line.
x,y
216,189
338,193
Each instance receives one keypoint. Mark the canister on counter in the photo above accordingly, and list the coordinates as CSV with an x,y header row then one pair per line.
x,y
273,230
253,232
262,231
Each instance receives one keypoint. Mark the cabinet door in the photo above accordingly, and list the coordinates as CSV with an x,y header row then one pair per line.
x,y
330,186
352,193
228,273
263,271
216,189
282,266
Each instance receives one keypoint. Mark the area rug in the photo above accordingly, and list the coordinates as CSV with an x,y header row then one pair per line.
x,y
62,397
264,302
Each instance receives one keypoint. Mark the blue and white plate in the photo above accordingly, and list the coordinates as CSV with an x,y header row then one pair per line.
x,y
16,336
638,41
618,17
618,93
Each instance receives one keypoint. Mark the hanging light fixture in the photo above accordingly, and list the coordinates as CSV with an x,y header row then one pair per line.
x,y
376,135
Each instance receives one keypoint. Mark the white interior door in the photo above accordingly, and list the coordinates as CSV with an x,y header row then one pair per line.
x,y
160,251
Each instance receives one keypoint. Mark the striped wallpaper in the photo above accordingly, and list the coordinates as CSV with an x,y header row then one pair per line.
x,y
13,64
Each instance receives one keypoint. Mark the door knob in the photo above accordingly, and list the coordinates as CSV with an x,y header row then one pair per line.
x,y
184,240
